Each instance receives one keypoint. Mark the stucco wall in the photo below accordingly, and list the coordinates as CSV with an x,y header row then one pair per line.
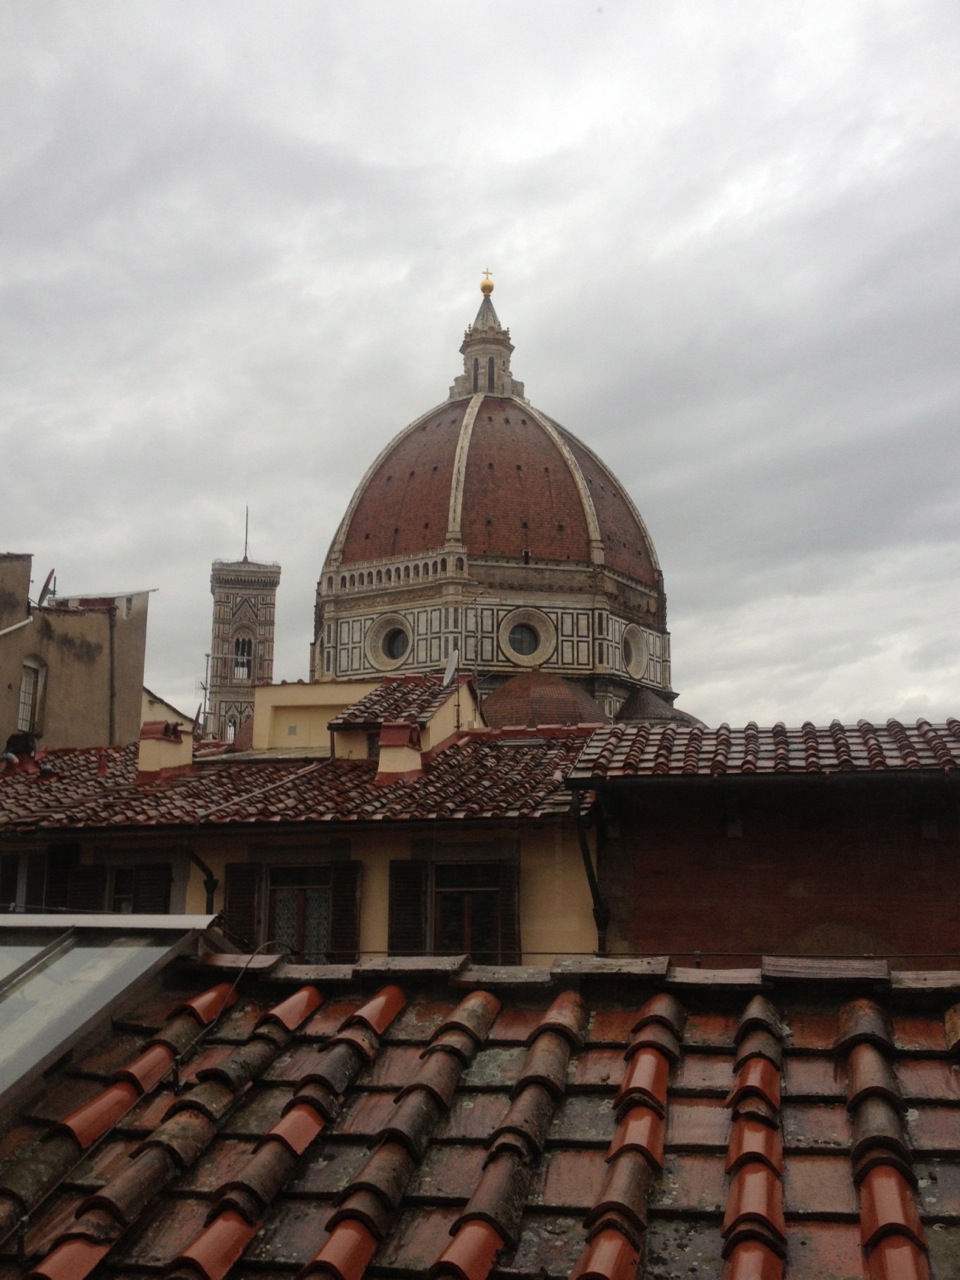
x,y
555,915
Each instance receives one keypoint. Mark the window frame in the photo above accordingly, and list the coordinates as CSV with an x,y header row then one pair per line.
x,y
37,669
413,902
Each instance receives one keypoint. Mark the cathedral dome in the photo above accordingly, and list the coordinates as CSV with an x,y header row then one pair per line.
x,y
493,474
486,527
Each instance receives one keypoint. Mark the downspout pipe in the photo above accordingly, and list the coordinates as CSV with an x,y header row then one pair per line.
x,y
601,912
210,881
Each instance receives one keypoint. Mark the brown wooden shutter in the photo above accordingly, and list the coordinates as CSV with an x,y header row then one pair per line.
x,y
87,888
407,931
36,882
242,901
509,914
151,888
345,912
61,860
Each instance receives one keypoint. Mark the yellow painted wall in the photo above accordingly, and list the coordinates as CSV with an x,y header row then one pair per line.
x,y
289,717
555,911
556,916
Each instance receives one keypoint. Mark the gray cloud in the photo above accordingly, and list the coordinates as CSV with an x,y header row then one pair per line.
x,y
239,244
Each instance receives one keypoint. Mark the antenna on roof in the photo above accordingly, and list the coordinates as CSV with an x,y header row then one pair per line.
x,y
450,673
246,532
451,667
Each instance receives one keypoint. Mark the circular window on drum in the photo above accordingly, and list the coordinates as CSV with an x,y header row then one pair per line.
x,y
634,649
389,642
527,637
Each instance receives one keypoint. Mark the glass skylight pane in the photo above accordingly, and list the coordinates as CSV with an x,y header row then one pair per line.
x,y
41,1013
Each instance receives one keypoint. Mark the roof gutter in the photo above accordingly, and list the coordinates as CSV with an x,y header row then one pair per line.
x,y
601,912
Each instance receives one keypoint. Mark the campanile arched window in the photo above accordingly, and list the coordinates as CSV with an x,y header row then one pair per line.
x,y
243,658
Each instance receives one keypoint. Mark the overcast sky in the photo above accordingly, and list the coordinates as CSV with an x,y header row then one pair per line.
x,y
239,244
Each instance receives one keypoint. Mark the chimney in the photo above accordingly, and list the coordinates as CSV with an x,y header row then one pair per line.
x,y
163,750
399,752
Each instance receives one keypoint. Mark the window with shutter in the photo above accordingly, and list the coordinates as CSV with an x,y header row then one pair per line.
x,y
407,929
9,880
35,899
300,908
509,913
61,859
242,902
459,906
151,888
87,888
345,924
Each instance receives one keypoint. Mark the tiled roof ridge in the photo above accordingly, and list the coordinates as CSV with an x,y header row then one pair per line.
x,y
754,1227
427,691
369,1200
490,1220
891,1233
682,750
616,1224
242,1202
472,777
28,1180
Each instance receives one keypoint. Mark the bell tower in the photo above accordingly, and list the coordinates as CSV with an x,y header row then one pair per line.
x,y
241,648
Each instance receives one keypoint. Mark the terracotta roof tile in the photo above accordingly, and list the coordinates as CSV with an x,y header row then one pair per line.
x,y
528,1176
610,1256
682,750
412,699
640,1129
897,1258
470,1255
482,774
869,1075
70,1261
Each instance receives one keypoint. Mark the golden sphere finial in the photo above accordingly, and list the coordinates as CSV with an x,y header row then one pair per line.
x,y
486,284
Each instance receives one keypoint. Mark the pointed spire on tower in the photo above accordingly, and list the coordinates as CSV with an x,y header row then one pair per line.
x,y
486,352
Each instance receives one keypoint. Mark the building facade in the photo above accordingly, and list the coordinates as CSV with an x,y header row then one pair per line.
x,y
71,667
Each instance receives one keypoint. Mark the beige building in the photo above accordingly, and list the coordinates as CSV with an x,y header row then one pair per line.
x,y
71,667
397,823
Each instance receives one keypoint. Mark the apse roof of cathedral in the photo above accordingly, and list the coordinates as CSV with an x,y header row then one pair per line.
x,y
602,1118
482,775
541,697
409,699
683,750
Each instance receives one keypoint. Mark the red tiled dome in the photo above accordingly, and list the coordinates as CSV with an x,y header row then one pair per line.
x,y
487,536
539,697
508,479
